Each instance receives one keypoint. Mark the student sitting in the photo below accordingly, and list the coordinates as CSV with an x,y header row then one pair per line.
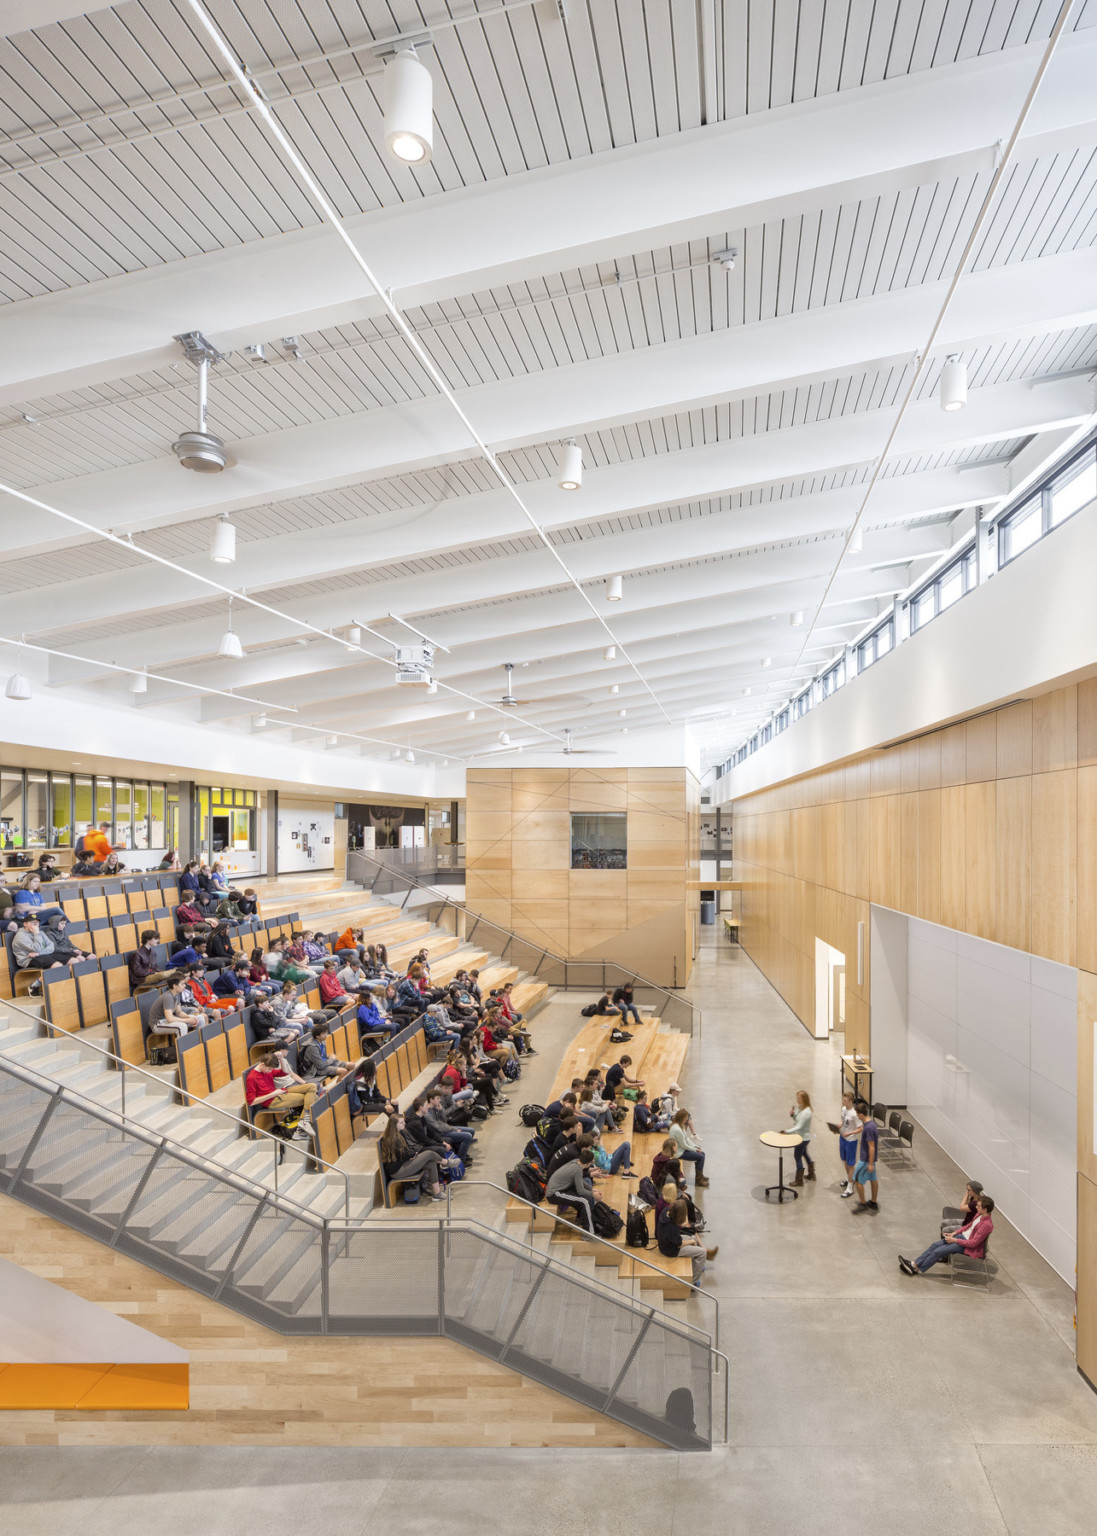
x,y
28,899
215,879
619,1161
349,944
259,978
438,1029
294,1008
190,886
595,1108
644,1121
169,1014
409,999
454,1081
313,1059
192,952
170,861
373,1021
399,1162
219,950
233,983
496,1046
623,1003
668,1234
618,1077
954,1216
352,978
570,1187
48,868
331,989
63,947
112,865
970,1239
269,1084
688,1145
143,970
433,1112
188,919
34,950
204,996
376,960
248,903
662,1164
229,906
567,1146
268,1024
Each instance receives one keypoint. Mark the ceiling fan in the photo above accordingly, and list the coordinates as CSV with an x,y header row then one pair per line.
x,y
508,701
569,751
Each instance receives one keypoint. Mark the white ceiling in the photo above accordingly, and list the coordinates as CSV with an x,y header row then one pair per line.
x,y
555,263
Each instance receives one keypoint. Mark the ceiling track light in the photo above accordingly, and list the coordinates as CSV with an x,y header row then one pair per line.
x,y
614,589
621,713
139,682
571,466
726,258
223,543
260,722
953,392
409,109
615,687
200,450
332,741
230,647
354,635
767,661
610,653
797,619
471,715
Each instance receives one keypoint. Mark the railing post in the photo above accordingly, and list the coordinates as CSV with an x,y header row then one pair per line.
x,y
36,1137
629,1358
442,1277
138,1192
325,1277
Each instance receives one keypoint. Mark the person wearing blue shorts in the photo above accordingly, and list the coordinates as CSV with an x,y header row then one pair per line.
x,y
848,1132
864,1174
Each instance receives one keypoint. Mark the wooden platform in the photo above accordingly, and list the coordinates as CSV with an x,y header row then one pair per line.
x,y
658,1055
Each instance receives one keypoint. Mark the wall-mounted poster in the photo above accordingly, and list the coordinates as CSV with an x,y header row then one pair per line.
x,y
305,837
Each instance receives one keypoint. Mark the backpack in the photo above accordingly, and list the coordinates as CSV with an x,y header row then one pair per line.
x,y
521,1182
511,1069
647,1192
636,1229
411,1194
619,1036
529,1114
548,1129
589,1012
607,1221
537,1151
452,1170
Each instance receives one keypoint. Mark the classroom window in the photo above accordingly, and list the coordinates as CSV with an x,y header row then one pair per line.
x,y
61,811
599,842
38,814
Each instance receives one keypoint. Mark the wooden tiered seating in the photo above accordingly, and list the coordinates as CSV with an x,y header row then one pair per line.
x,y
657,1057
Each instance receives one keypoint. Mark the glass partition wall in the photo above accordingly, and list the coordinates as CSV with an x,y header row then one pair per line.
x,y
51,810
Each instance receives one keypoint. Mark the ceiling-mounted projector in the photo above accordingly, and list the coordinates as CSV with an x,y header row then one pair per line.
x,y
413,666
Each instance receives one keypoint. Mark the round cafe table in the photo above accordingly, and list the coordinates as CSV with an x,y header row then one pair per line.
x,y
782,1140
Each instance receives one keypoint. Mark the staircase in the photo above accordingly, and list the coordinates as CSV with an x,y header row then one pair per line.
x,y
290,1259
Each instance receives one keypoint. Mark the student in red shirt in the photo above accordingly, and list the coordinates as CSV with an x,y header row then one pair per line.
x,y
262,1090
970,1240
331,988
203,993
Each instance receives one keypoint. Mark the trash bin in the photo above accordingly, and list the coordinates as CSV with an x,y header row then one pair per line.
x,y
708,913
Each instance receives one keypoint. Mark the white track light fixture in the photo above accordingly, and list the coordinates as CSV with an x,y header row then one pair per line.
x,y
621,714
396,754
223,543
332,741
230,647
471,716
571,467
260,722
139,682
953,383
856,540
409,109
610,653
18,687
767,661
615,687
797,619
354,635
200,450
614,589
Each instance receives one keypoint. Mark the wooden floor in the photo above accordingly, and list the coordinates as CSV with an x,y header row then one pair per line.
x,y
253,1387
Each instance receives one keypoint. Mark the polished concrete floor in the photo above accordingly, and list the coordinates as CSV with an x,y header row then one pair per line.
x,y
859,1397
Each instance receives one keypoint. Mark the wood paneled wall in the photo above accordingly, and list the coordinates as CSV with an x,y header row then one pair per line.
x,y
988,826
518,865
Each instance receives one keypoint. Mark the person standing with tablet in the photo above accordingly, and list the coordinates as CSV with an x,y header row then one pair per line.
x,y
848,1132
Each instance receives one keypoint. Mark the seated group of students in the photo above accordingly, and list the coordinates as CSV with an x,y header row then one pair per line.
x,y
570,1135
484,1036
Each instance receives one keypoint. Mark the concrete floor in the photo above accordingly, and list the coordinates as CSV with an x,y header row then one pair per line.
x,y
858,1396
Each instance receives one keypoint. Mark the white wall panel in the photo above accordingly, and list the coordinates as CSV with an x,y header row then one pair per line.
x,y
991,1070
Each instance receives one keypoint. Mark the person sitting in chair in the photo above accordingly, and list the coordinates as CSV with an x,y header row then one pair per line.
x,y
970,1239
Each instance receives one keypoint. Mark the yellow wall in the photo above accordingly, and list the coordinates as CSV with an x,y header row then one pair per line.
x,y
518,864
988,826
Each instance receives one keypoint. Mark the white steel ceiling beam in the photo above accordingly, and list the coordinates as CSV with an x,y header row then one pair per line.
x,y
905,132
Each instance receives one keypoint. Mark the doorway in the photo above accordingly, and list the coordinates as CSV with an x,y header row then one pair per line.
x,y
830,989
220,833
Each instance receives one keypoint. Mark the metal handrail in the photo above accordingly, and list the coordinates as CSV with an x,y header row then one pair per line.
x,y
592,1237
153,1138
124,1066
727,1393
436,898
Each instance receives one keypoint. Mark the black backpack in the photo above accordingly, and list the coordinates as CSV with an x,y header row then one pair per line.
x,y
589,1012
607,1221
524,1182
636,1230
537,1151
619,1036
529,1114
648,1192
548,1129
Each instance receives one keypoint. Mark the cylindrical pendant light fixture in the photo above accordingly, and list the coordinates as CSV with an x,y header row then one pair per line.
x,y
409,112
953,395
571,467
610,653
223,543
797,619
615,687
857,540
613,589
230,647
139,683
18,687
409,756
504,739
